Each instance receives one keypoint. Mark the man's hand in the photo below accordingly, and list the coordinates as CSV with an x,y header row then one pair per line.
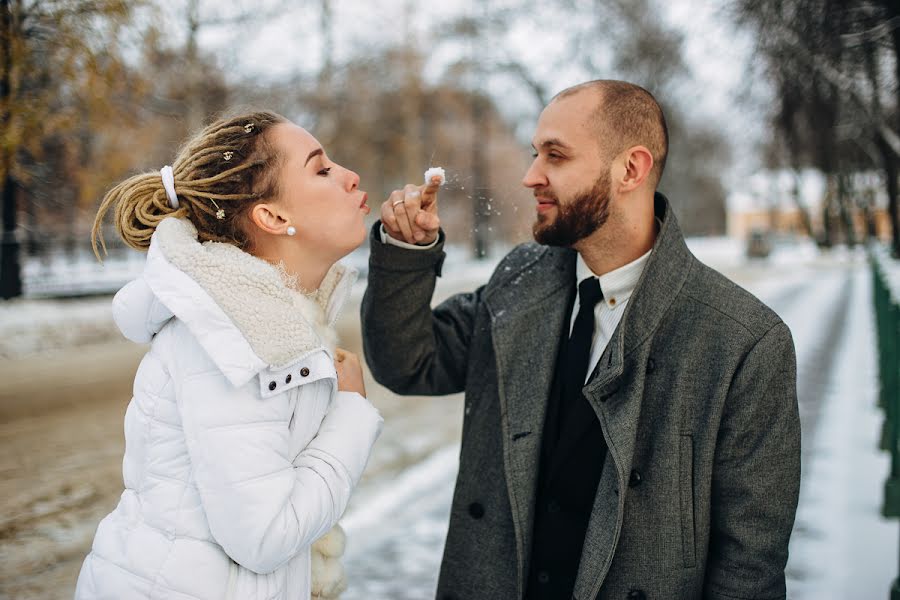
x,y
410,215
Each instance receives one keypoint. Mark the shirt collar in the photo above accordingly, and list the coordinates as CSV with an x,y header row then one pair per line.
x,y
617,285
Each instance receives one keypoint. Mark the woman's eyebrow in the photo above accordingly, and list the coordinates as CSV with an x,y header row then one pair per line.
x,y
316,152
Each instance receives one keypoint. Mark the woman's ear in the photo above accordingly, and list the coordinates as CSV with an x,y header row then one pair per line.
x,y
267,218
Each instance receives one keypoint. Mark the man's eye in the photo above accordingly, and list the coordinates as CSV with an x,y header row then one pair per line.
x,y
325,171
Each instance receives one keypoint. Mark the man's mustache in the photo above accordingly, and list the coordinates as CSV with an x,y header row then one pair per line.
x,y
546,193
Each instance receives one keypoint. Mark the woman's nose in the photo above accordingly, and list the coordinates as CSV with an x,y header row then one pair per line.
x,y
352,180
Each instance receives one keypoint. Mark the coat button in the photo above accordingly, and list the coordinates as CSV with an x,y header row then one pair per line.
x,y
651,365
288,378
637,595
476,510
272,385
553,507
635,478
304,372
543,577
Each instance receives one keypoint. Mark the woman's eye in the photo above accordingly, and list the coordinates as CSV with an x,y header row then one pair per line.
x,y
324,171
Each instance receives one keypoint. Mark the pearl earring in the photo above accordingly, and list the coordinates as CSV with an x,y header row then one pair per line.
x,y
291,230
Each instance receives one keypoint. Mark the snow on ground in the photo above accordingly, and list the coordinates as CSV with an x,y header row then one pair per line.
x,y
60,310
841,547
396,522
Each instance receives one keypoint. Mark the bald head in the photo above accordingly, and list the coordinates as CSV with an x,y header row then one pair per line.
x,y
626,115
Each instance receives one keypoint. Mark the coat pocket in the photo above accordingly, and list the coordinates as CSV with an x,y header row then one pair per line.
x,y
686,492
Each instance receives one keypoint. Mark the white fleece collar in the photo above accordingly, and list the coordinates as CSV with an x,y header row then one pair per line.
x,y
238,306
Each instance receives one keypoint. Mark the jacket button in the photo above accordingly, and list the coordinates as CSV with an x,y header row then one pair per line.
x,y
272,385
543,577
635,478
651,365
553,507
288,378
637,595
476,510
304,372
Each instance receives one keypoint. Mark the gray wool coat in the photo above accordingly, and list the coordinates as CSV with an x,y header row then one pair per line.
x,y
695,394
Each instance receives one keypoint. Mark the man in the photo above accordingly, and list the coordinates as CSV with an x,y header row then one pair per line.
x,y
631,426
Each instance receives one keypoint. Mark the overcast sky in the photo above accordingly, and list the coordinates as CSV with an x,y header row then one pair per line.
x,y
716,52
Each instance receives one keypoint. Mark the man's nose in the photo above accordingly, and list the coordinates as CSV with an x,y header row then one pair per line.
x,y
534,177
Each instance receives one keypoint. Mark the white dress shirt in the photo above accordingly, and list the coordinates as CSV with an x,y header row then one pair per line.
x,y
617,287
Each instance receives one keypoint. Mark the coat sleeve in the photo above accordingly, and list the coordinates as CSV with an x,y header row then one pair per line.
x,y
756,475
410,348
264,506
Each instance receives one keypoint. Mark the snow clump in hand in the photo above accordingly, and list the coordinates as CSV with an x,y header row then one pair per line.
x,y
435,172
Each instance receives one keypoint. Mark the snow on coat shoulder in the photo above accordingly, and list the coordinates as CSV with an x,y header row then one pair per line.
x,y
240,451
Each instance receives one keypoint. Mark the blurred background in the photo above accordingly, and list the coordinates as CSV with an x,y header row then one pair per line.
x,y
784,118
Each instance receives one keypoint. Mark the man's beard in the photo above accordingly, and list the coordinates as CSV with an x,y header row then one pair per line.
x,y
577,219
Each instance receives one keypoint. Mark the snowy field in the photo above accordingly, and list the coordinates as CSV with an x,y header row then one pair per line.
x,y
66,377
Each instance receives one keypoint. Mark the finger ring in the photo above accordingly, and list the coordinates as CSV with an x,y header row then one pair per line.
x,y
396,202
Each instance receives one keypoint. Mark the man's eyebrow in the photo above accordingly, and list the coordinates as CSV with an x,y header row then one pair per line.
x,y
553,142
316,152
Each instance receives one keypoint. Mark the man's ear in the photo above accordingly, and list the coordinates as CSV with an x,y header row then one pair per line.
x,y
268,218
638,161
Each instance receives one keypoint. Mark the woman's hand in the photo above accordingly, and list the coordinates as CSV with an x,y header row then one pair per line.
x,y
349,372
410,215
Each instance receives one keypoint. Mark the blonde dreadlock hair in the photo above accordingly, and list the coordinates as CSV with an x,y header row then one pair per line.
x,y
229,165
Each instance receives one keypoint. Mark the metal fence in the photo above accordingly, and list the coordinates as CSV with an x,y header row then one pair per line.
x,y
886,277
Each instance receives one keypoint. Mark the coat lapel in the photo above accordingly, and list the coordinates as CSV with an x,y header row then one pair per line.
x,y
617,402
527,317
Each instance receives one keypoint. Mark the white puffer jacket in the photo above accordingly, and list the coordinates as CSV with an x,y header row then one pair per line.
x,y
239,450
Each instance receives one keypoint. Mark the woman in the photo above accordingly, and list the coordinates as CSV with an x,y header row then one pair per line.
x,y
248,429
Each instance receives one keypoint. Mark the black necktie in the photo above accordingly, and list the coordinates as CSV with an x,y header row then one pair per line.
x,y
578,350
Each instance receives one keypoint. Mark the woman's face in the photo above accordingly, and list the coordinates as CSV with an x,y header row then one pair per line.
x,y
319,197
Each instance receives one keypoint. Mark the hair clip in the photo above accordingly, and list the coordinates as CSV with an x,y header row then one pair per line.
x,y
227,155
248,127
220,214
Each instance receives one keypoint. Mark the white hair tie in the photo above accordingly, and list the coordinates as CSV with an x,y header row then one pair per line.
x,y
168,178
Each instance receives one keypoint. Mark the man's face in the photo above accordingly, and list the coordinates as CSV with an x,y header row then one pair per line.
x,y
569,176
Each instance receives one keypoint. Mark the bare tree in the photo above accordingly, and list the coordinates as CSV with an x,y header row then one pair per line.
x,y
839,106
58,59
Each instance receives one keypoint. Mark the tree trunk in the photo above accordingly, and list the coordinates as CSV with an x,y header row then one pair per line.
x,y
845,201
480,139
10,271
827,211
805,220
888,155
891,169
480,186
891,185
